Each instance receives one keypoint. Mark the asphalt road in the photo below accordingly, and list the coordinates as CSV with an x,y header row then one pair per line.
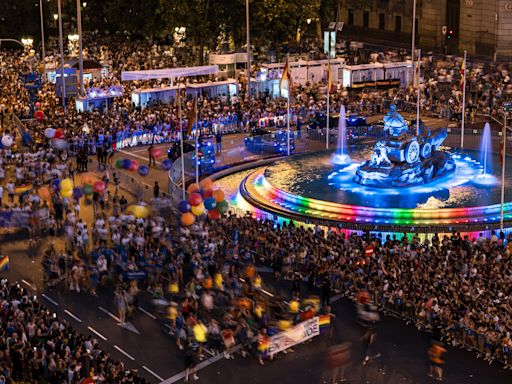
x,y
144,344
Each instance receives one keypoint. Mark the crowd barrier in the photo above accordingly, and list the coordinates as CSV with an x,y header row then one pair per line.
x,y
456,334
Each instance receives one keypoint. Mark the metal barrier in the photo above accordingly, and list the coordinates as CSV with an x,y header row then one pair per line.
x,y
456,334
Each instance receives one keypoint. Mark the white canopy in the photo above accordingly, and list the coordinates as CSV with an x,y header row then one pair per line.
x,y
170,73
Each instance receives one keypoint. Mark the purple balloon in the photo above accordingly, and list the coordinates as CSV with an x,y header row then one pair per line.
x,y
127,163
166,164
184,206
77,193
143,170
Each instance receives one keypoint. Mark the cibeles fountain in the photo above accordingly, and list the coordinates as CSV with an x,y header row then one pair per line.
x,y
404,158
397,178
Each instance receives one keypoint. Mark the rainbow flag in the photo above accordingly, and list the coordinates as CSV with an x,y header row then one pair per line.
x,y
4,263
324,321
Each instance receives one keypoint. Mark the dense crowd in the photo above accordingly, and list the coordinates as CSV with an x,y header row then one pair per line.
x,y
201,276
36,345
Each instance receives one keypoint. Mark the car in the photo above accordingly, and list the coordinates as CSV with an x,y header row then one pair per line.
x,y
261,140
174,151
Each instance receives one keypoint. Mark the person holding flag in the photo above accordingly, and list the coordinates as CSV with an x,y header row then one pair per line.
x,y
285,87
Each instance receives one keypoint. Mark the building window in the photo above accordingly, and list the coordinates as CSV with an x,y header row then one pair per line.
x,y
366,19
350,17
382,21
398,23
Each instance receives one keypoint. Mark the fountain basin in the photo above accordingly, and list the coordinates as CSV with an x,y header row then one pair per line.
x,y
306,188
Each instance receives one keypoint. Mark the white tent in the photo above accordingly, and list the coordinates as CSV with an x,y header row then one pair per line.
x,y
170,73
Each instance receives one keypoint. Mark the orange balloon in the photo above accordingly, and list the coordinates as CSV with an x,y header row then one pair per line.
x,y
218,195
206,183
88,178
187,219
193,188
44,193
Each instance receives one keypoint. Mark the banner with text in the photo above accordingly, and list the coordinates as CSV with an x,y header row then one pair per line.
x,y
295,335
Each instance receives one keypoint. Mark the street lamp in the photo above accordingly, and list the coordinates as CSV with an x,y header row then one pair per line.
x,y
84,4
55,17
27,42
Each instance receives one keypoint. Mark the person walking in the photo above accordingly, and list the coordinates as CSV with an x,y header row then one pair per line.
x,y
156,190
190,362
435,354
218,142
120,302
151,155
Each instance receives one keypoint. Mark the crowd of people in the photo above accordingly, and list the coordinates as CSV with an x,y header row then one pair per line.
x,y
201,276
37,345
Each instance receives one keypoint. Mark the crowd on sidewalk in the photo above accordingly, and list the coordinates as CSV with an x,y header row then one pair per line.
x,y
37,346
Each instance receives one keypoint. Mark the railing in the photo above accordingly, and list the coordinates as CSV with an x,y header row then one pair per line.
x,y
455,334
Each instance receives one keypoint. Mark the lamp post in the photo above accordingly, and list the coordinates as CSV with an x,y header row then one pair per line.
x,y
61,46
80,47
413,30
248,51
43,52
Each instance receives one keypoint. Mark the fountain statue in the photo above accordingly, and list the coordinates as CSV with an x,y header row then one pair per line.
x,y
405,159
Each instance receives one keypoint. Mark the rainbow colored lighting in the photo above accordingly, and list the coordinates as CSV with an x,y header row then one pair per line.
x,y
264,195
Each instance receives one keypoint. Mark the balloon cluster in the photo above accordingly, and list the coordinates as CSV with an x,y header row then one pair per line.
x,y
143,170
56,137
67,189
203,199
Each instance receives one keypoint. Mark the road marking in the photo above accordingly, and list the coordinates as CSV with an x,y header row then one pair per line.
x,y
137,156
71,315
124,353
110,314
153,373
97,333
50,300
29,285
127,325
147,313
200,366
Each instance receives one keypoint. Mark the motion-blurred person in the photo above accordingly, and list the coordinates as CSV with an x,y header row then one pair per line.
x,y
368,339
435,354
338,359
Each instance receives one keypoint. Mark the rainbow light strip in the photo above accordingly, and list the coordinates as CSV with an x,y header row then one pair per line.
x,y
264,195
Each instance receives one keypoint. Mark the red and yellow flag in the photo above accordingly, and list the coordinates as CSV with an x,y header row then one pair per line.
x,y
329,77
286,79
462,76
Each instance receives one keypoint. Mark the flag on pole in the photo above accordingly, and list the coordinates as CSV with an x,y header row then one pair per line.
x,y
191,119
463,75
4,263
285,83
501,151
329,78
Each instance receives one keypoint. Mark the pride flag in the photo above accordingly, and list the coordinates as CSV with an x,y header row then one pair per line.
x,y
324,322
4,263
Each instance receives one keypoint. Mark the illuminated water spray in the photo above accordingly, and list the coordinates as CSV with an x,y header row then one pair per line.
x,y
341,156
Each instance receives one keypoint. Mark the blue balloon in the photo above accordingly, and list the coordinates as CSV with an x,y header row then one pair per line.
x,y
184,206
210,203
56,184
166,164
77,193
127,163
143,170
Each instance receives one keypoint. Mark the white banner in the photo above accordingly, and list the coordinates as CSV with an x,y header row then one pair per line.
x,y
293,336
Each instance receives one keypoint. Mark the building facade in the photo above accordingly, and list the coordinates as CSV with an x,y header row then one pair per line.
x,y
482,27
